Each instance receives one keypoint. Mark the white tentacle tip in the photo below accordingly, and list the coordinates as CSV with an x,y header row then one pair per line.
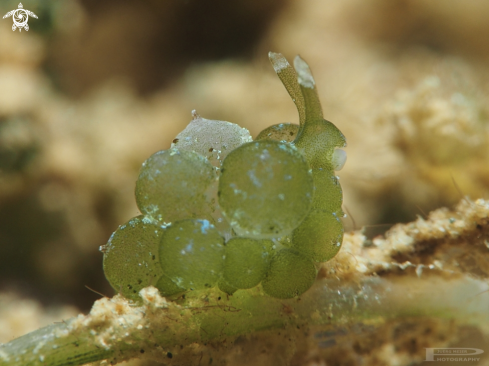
x,y
304,74
279,62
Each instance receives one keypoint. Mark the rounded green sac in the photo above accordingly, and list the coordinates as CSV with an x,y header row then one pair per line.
x,y
192,254
281,132
317,140
290,274
328,194
247,261
172,185
226,287
265,189
319,236
167,287
131,257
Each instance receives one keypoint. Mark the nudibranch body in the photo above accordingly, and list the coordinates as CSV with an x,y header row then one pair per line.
x,y
220,209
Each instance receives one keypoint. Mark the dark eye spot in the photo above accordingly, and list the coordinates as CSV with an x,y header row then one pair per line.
x,y
175,141
211,149
169,355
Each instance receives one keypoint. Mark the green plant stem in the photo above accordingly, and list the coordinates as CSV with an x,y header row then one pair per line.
x,y
117,330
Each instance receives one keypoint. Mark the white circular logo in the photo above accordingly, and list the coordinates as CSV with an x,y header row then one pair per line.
x,y
20,17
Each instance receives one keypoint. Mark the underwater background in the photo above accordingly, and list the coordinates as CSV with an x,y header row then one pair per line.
x,y
94,88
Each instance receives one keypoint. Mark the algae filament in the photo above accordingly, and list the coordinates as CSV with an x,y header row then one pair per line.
x,y
222,210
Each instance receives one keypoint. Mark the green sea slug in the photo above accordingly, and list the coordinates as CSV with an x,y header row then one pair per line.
x,y
219,209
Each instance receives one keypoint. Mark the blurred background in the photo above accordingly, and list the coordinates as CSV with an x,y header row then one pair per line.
x,y
95,87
